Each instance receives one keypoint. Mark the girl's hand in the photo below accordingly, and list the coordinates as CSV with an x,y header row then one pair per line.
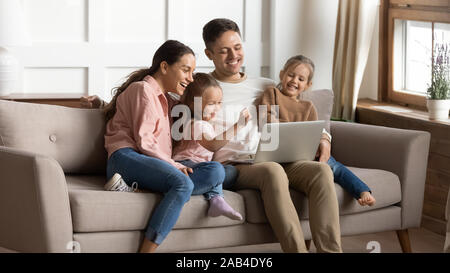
x,y
186,170
324,151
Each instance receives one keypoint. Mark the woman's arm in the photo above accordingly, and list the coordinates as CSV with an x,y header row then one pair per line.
x,y
146,120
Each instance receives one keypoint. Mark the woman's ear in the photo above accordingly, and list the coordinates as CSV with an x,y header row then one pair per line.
x,y
281,75
164,66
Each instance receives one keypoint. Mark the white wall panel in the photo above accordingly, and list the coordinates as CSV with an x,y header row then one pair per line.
x,y
135,20
204,69
89,46
57,20
115,76
304,27
189,16
56,80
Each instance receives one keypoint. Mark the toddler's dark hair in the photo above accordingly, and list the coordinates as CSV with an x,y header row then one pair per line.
x,y
196,88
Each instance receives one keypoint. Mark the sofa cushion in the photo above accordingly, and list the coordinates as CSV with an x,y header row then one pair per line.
x,y
323,101
94,209
73,137
385,188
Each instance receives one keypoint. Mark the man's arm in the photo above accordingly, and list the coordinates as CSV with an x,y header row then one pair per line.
x,y
92,102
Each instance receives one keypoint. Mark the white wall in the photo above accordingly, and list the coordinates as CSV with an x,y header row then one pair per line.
x,y
308,27
304,27
90,46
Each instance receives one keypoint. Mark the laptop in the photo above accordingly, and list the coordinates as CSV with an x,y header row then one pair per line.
x,y
287,142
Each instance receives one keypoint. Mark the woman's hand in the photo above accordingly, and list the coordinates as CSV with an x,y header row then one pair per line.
x,y
91,102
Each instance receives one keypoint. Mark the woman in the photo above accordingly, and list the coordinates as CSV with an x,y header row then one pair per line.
x,y
139,143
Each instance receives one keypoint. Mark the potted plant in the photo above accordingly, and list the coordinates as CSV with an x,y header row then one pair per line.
x,y
438,94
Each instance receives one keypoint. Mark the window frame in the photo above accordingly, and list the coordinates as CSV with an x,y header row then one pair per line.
x,y
435,11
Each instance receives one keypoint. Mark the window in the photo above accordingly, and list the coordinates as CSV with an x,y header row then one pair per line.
x,y
413,43
408,31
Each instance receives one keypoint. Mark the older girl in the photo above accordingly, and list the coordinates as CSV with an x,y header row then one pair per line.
x,y
295,78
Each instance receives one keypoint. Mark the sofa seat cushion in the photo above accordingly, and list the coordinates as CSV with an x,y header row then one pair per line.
x,y
385,188
95,210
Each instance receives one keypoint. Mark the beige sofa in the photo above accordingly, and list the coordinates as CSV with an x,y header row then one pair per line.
x,y
52,169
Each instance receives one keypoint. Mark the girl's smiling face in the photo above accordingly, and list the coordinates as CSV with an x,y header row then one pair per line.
x,y
211,102
295,80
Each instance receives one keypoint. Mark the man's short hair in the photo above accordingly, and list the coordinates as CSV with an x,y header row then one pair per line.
x,y
215,28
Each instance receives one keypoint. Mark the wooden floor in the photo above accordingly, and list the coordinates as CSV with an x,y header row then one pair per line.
x,y
422,241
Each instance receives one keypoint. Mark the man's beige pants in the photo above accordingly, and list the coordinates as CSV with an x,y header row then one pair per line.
x,y
312,178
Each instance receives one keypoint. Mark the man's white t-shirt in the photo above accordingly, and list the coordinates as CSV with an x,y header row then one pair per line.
x,y
237,96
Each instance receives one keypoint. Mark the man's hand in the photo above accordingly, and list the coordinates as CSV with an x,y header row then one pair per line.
x,y
91,102
324,151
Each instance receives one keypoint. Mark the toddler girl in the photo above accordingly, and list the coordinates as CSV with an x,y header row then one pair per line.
x,y
199,140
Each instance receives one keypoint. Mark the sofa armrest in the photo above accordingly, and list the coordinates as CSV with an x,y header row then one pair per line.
x,y
34,203
402,152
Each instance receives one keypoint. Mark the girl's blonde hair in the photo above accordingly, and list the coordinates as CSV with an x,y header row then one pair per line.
x,y
297,60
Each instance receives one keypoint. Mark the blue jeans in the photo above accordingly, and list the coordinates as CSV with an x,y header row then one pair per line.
x,y
231,174
346,179
201,187
158,175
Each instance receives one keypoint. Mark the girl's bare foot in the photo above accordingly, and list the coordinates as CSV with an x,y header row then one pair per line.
x,y
366,199
148,246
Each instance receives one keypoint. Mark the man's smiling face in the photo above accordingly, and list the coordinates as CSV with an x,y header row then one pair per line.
x,y
227,54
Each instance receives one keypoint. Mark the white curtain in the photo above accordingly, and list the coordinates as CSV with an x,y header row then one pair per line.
x,y
354,30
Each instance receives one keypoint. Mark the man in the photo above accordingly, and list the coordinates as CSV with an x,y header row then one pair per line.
x,y
224,47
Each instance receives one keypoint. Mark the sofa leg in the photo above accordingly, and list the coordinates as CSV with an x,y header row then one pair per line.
x,y
403,238
308,244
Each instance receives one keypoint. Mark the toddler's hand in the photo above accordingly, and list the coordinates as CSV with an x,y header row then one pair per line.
x,y
244,117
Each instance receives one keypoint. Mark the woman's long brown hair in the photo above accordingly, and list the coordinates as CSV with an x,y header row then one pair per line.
x,y
171,52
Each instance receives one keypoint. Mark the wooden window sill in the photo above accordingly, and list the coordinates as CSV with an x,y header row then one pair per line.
x,y
365,106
